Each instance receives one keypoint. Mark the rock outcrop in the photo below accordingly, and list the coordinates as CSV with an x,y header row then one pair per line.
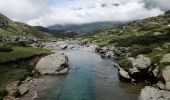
x,y
123,75
166,58
142,69
165,82
151,93
53,64
141,62
20,88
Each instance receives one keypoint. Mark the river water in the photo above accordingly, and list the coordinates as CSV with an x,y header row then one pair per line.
x,y
90,78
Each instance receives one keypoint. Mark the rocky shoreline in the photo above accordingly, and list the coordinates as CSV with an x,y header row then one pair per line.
x,y
142,70
53,64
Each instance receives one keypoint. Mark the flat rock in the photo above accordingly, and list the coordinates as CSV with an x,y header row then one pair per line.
x,y
53,64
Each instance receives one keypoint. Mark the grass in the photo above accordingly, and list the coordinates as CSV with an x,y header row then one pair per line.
x,y
11,74
21,53
18,52
125,64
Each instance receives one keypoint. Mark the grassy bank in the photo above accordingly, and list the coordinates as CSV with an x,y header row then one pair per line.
x,y
11,52
21,53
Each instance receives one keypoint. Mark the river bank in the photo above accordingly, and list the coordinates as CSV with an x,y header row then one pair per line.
x,y
138,69
90,77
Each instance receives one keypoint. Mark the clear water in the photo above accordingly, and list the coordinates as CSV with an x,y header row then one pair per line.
x,y
90,78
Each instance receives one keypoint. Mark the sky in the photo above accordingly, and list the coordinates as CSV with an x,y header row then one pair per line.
x,y
50,12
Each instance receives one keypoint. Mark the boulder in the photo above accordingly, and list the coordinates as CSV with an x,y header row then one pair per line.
x,y
12,88
109,54
64,46
92,47
166,78
24,88
142,62
123,75
135,73
166,58
53,64
10,98
151,93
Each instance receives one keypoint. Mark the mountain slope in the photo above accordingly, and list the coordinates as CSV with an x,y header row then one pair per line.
x,y
150,27
86,28
9,27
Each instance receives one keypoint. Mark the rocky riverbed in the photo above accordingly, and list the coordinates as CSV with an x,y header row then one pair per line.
x,y
90,77
85,71
139,69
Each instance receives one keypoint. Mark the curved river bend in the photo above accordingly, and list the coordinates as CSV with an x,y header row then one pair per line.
x,y
90,78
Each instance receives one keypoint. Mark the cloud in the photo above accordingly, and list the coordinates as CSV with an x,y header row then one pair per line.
x,y
50,12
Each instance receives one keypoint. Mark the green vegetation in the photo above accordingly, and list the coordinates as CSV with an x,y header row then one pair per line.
x,y
13,52
137,50
143,37
125,64
9,27
11,74
21,53
5,49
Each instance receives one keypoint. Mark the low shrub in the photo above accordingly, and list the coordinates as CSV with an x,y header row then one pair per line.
x,y
140,50
20,43
3,93
125,64
5,49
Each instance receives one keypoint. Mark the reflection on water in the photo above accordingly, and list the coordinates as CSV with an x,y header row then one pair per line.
x,y
90,78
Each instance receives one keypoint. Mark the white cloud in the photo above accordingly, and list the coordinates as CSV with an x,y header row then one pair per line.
x,y
50,12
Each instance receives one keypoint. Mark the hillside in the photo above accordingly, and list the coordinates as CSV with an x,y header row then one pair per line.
x,y
57,33
150,36
9,27
150,27
86,28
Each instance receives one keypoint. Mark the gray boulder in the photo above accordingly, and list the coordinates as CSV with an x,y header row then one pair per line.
x,y
53,64
123,75
166,79
63,46
151,93
110,54
166,58
12,88
141,62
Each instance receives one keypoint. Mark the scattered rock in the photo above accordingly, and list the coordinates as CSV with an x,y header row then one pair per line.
x,y
109,54
166,58
12,88
53,64
157,33
10,98
123,75
135,73
92,47
24,88
64,46
151,93
166,77
166,45
142,62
